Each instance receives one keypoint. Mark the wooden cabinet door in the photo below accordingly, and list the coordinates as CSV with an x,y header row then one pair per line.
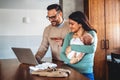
x,y
112,26
104,15
112,20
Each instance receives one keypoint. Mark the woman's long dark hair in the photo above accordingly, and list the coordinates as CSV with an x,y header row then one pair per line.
x,y
81,18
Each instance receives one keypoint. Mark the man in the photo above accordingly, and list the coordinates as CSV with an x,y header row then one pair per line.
x,y
54,33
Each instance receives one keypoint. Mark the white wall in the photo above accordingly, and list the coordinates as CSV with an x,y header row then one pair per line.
x,y
14,32
11,22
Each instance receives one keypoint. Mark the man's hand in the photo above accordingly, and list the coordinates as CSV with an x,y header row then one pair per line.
x,y
38,58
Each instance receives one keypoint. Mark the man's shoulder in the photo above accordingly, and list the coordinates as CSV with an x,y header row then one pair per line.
x,y
66,22
48,28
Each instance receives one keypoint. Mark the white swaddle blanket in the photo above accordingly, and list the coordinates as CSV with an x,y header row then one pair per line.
x,y
43,66
75,41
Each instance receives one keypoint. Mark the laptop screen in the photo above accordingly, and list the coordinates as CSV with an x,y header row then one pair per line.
x,y
25,55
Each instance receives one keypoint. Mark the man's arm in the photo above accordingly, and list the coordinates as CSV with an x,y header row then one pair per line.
x,y
39,55
44,45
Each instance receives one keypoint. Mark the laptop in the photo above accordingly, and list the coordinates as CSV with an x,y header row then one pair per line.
x,y
25,55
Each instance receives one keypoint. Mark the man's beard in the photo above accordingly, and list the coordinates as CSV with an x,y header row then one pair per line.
x,y
54,23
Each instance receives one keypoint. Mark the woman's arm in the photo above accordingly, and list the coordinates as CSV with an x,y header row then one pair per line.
x,y
86,48
65,45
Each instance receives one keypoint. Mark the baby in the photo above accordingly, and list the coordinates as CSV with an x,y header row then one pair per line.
x,y
74,56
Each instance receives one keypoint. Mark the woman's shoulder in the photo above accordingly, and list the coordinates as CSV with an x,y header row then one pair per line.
x,y
70,34
92,32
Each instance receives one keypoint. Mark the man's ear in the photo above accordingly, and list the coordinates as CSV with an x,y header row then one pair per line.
x,y
61,14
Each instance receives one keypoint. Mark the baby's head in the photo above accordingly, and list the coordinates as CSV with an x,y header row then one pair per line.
x,y
87,39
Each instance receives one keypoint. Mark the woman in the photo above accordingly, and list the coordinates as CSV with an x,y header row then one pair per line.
x,y
79,25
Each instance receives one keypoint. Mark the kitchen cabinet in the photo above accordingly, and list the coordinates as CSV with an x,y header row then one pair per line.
x,y
104,16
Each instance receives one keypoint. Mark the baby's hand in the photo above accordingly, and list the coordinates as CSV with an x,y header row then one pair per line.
x,y
74,60
68,50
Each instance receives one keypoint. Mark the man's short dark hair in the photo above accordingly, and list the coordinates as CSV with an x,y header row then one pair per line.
x,y
57,7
